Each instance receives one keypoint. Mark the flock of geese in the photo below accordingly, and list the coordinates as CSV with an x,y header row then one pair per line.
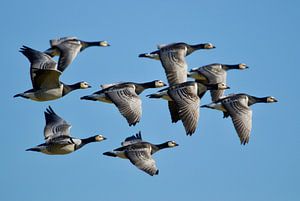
x,y
183,97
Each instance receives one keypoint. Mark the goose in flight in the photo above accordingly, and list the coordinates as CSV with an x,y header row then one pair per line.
x,y
67,48
214,73
184,101
140,152
45,78
237,106
172,58
126,97
57,137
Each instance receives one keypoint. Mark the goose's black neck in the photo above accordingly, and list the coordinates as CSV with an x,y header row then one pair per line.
x,y
192,48
162,146
68,88
252,100
88,140
84,142
229,67
147,85
198,46
140,87
85,44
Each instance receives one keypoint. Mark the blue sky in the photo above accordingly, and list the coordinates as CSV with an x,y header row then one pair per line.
x,y
211,165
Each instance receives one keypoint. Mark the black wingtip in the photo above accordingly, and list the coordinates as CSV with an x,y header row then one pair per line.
x,y
133,123
33,149
204,106
139,135
49,110
87,98
157,172
190,133
153,96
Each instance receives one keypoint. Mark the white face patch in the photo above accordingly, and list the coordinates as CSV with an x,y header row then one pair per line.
x,y
84,85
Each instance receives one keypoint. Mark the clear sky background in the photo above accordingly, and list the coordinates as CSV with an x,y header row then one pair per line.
x,y
211,165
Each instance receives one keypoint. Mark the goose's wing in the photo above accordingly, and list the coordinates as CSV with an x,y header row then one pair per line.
x,y
46,79
68,51
241,114
60,140
187,101
55,125
173,60
216,94
105,86
43,69
132,139
173,111
140,155
127,101
214,74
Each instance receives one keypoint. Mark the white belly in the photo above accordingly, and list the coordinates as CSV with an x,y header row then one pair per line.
x,y
59,149
46,94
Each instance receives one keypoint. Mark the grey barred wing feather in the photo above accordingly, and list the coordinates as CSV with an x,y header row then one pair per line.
x,y
69,48
173,61
241,115
68,53
55,125
38,60
188,103
60,140
56,42
127,101
43,69
140,156
215,74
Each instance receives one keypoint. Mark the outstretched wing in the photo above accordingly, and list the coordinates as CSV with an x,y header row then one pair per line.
x,y
241,114
55,125
172,58
188,102
69,48
140,156
43,69
127,101
214,74
173,109
132,139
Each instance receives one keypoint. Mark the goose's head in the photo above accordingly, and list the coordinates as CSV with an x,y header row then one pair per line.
x,y
104,43
159,83
271,99
243,66
209,46
84,85
222,86
172,144
99,138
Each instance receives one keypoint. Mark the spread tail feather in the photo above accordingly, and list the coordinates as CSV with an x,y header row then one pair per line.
x,y
154,96
34,149
88,98
109,153
20,95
